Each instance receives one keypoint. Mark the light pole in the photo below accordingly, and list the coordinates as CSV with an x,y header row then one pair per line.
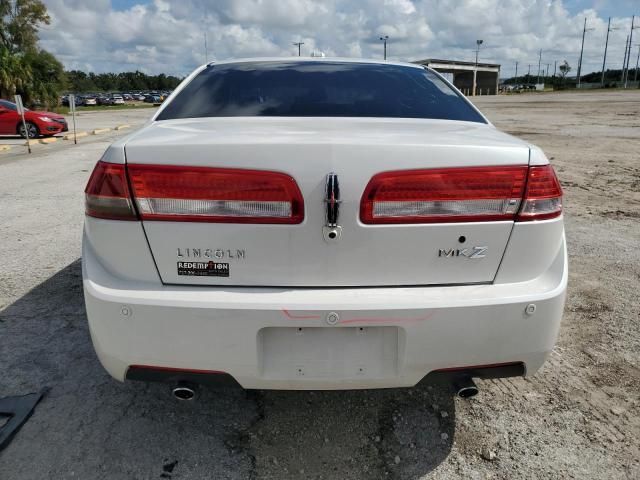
x,y
475,70
606,44
384,39
298,44
584,30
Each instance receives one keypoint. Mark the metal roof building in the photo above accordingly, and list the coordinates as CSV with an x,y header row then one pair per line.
x,y
485,77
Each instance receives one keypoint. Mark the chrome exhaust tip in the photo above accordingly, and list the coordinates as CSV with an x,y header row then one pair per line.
x,y
184,391
465,387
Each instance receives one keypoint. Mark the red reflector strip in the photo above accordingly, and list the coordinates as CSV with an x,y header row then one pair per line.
x,y
107,193
177,370
444,195
202,194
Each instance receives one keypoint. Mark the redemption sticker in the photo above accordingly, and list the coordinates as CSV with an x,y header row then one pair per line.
x,y
203,269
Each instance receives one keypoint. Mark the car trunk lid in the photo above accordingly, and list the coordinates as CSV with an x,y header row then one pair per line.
x,y
308,150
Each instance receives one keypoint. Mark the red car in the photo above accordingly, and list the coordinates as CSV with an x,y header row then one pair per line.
x,y
38,123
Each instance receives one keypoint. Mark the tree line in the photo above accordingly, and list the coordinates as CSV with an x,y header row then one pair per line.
x,y
81,82
25,68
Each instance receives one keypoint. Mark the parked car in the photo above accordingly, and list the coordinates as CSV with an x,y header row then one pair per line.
x,y
322,224
90,101
37,123
116,100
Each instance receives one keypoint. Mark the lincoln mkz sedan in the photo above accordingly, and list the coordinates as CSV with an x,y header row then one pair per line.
x,y
37,123
322,224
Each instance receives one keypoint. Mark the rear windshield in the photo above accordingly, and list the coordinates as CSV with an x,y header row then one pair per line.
x,y
318,89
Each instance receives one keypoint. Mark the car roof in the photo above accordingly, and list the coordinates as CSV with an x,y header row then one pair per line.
x,y
314,59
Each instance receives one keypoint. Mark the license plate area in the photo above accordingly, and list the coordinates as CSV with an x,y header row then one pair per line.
x,y
326,353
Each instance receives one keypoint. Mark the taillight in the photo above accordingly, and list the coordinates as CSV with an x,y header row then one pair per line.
x,y
107,193
543,196
203,194
444,195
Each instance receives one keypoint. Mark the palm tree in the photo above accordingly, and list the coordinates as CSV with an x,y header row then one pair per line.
x,y
14,73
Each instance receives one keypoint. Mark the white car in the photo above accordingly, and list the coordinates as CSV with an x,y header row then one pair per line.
x,y
322,224
117,100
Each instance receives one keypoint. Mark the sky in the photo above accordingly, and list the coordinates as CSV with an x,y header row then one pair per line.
x,y
168,36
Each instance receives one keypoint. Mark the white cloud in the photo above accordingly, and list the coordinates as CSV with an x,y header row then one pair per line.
x,y
168,35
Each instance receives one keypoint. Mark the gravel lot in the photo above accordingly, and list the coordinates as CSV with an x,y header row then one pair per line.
x,y
578,418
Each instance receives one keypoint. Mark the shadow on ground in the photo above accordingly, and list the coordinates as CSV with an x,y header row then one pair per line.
x,y
90,426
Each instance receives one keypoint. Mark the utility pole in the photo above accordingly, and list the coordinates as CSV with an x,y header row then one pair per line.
x,y
539,60
547,74
626,76
384,39
626,47
584,30
635,77
555,66
606,44
528,73
206,49
475,70
516,76
298,44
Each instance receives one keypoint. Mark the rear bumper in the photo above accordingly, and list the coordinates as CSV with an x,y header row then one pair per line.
x,y
257,335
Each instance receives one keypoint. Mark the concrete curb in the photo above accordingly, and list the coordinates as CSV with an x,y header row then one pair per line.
x,y
48,140
5,148
69,136
122,127
98,131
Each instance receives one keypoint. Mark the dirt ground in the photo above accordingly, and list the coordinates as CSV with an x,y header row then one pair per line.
x,y
579,417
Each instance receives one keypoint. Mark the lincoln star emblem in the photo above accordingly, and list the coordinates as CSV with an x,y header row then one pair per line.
x,y
332,231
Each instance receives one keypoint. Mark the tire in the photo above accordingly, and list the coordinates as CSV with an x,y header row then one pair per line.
x,y
32,128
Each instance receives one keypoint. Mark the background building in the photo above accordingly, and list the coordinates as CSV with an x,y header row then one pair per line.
x,y
461,75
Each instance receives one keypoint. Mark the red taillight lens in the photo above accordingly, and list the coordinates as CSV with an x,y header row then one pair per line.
x,y
543,197
444,195
107,193
203,194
